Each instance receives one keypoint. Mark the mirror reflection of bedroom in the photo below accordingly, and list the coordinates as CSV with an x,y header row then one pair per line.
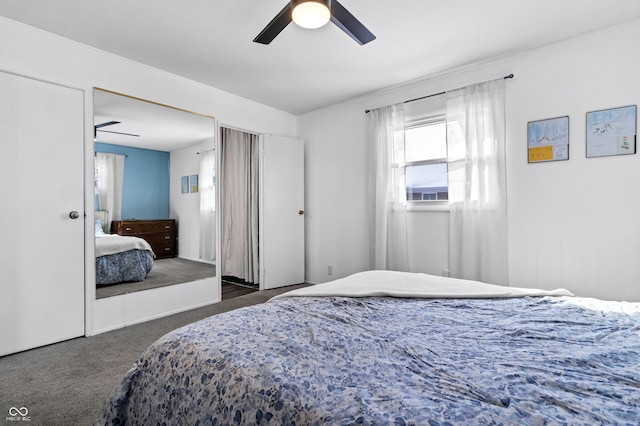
x,y
155,209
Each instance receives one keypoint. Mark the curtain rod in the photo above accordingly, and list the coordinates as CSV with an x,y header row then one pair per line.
x,y
434,94
105,152
206,150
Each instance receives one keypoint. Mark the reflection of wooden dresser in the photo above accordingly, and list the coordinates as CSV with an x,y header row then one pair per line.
x,y
160,234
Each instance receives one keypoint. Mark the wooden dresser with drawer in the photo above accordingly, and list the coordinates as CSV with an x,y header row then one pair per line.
x,y
160,234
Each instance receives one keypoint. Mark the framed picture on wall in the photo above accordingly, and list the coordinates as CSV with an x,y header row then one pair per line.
x,y
184,184
194,183
548,140
611,132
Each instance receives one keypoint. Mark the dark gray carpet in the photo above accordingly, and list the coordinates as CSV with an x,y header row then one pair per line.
x,y
164,272
67,383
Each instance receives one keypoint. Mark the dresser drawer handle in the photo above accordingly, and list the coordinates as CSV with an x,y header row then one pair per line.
x,y
167,249
167,237
127,229
167,227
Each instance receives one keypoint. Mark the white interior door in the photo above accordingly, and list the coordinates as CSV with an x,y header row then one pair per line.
x,y
281,211
41,179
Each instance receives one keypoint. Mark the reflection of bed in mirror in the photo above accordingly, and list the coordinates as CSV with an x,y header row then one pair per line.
x,y
120,258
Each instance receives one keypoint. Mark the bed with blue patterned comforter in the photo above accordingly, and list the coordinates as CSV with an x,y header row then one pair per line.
x,y
122,259
402,357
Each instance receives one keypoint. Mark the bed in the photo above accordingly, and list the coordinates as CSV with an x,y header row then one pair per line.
x,y
120,258
383,347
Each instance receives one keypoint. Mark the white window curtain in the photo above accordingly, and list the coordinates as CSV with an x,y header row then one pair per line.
x,y
239,162
387,191
109,184
207,189
477,183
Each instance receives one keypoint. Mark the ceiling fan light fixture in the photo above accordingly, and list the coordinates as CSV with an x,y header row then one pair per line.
x,y
329,10
311,14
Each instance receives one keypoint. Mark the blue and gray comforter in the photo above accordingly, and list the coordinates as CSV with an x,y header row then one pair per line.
x,y
130,266
121,258
383,360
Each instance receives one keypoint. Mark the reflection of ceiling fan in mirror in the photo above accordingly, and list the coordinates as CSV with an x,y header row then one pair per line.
x,y
98,128
134,122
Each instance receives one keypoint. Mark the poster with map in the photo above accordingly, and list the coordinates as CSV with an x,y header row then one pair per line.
x,y
611,132
548,140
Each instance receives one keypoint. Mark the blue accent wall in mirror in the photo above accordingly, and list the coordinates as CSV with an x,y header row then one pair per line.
x,y
146,181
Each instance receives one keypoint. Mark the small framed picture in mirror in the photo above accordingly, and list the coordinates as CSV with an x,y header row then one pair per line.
x,y
194,183
185,184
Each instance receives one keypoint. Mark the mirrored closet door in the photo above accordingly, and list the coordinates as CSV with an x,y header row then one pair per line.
x,y
155,183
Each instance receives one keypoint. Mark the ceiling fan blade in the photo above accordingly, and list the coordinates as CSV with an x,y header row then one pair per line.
x,y
108,123
118,133
350,24
276,26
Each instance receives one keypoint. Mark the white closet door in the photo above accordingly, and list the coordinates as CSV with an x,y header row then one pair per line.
x,y
41,182
281,212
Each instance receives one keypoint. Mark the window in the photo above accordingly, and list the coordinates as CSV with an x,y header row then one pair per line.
x,y
422,150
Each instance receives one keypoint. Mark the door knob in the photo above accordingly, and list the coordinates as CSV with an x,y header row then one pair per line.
x,y
73,214
300,212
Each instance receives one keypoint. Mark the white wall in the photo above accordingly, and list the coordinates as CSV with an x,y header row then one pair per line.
x,y
336,227
185,208
38,54
572,224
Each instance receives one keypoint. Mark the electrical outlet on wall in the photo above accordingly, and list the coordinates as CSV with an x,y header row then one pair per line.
x,y
329,270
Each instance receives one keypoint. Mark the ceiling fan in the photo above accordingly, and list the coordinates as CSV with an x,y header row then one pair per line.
x,y
314,14
98,128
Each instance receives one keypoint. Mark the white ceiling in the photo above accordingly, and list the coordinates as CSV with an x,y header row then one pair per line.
x,y
147,124
302,70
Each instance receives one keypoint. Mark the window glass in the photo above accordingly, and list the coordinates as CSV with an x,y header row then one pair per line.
x,y
426,142
426,182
